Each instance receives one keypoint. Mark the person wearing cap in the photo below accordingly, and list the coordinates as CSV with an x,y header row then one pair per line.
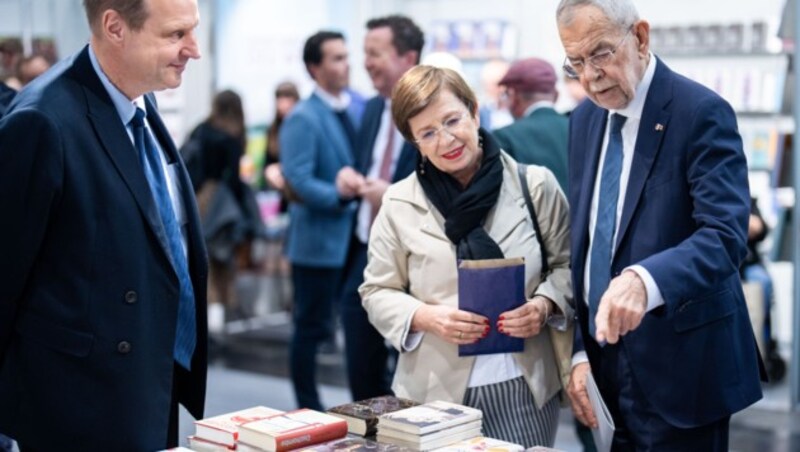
x,y
539,133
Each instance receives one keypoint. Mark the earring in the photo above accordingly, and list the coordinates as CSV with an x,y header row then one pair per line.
x,y
480,141
422,165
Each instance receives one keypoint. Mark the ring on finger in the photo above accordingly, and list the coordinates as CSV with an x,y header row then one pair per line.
x,y
460,334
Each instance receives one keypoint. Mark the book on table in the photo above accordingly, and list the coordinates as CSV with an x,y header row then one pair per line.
x,y
203,445
490,287
480,443
362,416
428,417
351,444
433,440
292,430
224,428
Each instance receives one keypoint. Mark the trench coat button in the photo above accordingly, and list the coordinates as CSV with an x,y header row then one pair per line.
x,y
131,297
124,347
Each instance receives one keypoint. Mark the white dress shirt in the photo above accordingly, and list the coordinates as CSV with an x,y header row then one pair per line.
x,y
364,217
633,111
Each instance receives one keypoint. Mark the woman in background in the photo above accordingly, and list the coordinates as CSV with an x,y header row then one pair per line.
x,y
465,202
212,155
286,97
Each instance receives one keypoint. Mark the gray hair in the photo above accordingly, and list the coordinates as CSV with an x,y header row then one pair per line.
x,y
619,12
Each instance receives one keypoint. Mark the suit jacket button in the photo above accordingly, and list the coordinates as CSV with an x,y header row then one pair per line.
x,y
124,347
131,297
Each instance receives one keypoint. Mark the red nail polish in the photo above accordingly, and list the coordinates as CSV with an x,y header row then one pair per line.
x,y
501,318
500,325
485,321
486,330
500,329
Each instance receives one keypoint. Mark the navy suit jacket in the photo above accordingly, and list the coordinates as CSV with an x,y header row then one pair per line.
x,y
367,135
314,147
684,219
88,294
6,94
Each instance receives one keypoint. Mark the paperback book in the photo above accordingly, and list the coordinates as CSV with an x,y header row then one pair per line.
x,y
292,430
362,416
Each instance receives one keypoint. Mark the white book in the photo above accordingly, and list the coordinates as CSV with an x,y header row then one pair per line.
x,y
604,433
425,444
224,429
429,417
481,443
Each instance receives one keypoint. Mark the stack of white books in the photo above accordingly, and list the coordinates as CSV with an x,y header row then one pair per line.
x,y
481,443
430,426
220,433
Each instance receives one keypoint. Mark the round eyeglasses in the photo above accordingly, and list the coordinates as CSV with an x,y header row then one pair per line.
x,y
429,138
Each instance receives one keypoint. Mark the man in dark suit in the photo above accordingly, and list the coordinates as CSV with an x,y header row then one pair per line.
x,y
538,135
316,141
6,94
659,205
393,45
103,275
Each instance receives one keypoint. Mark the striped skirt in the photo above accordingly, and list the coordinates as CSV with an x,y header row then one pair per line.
x,y
510,413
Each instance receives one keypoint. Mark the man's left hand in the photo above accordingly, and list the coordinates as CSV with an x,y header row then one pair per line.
x,y
621,308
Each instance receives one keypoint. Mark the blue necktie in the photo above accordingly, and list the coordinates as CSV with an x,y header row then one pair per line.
x,y
603,241
186,331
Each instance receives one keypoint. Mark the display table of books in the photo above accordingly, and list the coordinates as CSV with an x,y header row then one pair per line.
x,y
380,424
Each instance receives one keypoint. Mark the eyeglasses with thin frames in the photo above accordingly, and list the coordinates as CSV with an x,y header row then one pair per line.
x,y
430,137
574,68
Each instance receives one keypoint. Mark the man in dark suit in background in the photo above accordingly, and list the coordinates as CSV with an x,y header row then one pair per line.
x,y
6,94
103,268
316,141
538,135
659,206
393,45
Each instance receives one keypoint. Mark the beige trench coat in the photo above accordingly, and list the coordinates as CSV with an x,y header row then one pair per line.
x,y
411,261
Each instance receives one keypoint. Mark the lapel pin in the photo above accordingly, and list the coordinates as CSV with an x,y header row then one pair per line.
x,y
659,127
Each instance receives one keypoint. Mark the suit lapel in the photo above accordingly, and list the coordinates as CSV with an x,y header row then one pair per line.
x,y
116,142
334,131
648,142
370,124
594,142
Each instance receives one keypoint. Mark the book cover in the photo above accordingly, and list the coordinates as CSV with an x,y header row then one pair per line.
x,y
490,287
202,445
224,428
362,416
428,417
425,443
355,445
479,443
292,430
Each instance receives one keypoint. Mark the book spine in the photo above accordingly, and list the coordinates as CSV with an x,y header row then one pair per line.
x,y
319,434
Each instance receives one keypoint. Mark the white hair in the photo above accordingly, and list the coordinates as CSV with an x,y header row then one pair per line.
x,y
619,12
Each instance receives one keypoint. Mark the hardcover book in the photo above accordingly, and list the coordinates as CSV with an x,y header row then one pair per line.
x,y
355,445
479,443
428,417
362,416
292,430
434,440
223,429
491,287
202,445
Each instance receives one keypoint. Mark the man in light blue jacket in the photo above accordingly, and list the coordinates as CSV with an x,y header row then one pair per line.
x,y
316,141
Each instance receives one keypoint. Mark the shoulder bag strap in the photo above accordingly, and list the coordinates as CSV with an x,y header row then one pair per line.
x,y
522,171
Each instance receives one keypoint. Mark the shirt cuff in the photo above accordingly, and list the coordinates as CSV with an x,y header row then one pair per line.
x,y
654,298
579,358
410,341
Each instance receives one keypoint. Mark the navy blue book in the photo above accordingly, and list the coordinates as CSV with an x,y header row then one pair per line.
x,y
491,287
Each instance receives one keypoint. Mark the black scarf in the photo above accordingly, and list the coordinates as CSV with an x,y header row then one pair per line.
x,y
465,208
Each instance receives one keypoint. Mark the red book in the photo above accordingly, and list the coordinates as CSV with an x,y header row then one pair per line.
x,y
292,430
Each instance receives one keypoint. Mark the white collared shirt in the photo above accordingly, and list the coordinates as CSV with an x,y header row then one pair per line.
x,y
364,218
126,109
